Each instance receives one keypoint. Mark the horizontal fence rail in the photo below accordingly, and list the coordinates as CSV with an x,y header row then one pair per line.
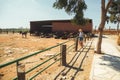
x,y
43,69
42,63
38,65
19,59
71,46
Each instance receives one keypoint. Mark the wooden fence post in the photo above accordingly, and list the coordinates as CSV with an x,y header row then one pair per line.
x,y
63,55
20,71
76,44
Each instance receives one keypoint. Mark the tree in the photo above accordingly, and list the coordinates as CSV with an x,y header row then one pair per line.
x,y
77,7
73,7
104,8
114,12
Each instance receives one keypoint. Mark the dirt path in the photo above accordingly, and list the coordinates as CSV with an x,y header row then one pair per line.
x,y
107,66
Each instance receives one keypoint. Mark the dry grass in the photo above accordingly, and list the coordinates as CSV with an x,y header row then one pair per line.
x,y
14,46
118,40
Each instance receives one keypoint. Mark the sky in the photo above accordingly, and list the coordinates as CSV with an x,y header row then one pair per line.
x,y
19,13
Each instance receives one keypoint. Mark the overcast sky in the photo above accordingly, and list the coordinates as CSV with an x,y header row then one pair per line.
x,y
19,13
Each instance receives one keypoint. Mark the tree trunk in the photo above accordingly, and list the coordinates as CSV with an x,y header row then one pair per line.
x,y
101,26
99,41
118,28
104,9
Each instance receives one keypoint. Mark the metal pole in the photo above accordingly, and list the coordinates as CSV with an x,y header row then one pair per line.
x,y
63,55
76,44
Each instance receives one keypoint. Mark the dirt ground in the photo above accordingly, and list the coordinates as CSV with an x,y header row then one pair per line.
x,y
13,46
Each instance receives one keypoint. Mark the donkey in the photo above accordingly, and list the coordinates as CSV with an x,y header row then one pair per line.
x,y
24,34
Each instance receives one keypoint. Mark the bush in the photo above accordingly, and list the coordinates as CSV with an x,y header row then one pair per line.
x,y
118,40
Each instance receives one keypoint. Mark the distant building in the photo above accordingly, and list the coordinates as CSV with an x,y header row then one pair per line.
x,y
49,26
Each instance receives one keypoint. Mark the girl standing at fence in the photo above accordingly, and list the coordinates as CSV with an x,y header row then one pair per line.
x,y
81,35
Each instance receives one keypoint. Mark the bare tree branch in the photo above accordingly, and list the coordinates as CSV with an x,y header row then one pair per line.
x,y
108,5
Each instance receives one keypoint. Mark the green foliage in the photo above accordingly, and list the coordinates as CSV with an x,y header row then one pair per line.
x,y
113,8
112,18
75,7
79,20
59,4
114,11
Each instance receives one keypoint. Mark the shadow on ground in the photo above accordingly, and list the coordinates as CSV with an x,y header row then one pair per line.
x,y
96,36
113,61
70,65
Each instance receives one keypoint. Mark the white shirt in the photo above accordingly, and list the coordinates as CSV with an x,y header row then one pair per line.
x,y
81,34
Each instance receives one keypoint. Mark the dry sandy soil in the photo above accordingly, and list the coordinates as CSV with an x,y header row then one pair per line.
x,y
14,46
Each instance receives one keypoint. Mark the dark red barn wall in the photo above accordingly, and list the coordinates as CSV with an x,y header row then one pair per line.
x,y
60,26
69,27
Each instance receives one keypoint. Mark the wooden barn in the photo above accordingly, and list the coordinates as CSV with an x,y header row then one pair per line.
x,y
50,26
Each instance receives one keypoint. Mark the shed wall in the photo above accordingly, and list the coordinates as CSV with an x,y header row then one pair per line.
x,y
69,27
